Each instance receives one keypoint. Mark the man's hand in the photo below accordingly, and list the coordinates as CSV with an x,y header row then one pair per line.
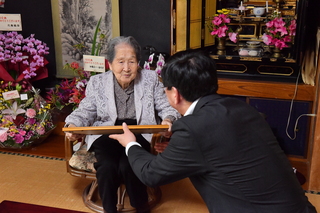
x,y
124,138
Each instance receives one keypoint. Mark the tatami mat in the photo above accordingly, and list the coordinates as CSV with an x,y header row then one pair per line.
x,y
45,181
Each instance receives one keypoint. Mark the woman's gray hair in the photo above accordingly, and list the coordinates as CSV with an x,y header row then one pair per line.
x,y
111,52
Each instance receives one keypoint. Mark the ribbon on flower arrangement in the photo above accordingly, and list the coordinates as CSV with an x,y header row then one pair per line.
x,y
42,72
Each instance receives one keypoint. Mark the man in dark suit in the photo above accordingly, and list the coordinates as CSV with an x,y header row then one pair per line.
x,y
222,144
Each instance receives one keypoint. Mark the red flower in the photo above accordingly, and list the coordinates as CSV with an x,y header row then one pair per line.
x,y
74,65
19,120
106,64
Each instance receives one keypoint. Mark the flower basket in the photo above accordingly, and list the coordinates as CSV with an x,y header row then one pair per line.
x,y
25,118
11,144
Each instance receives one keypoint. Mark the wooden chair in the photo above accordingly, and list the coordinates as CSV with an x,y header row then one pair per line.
x,y
90,194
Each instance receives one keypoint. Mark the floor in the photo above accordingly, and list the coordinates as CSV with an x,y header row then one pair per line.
x,y
54,147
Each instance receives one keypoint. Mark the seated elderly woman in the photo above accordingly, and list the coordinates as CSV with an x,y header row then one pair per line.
x,y
123,94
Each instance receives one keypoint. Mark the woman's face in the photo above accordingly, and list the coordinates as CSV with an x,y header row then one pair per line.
x,y
125,65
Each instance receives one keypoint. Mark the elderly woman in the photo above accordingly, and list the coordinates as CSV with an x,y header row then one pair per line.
x,y
123,94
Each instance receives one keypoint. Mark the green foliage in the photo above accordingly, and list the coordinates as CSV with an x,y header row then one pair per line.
x,y
95,50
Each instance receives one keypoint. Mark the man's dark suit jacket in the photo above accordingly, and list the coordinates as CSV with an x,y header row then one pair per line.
x,y
231,156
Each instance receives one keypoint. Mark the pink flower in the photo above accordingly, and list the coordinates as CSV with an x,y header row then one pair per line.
x,y
287,38
18,138
280,44
282,30
278,32
233,37
41,130
217,21
11,134
292,28
8,117
225,18
22,132
3,134
220,32
31,121
31,113
267,39
219,26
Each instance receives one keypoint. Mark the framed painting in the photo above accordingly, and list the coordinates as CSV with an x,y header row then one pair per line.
x,y
75,22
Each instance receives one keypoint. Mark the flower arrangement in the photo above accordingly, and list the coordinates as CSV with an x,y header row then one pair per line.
x,y
25,117
22,58
279,31
70,91
219,28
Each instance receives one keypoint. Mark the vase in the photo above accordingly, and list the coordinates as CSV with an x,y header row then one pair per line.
x,y
276,53
221,47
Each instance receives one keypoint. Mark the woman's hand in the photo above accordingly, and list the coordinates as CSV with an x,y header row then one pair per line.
x,y
161,146
167,133
71,136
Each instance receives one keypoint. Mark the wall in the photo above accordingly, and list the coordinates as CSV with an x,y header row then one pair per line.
x,y
147,21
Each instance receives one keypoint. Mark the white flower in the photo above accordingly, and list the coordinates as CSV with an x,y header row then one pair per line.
x,y
14,110
146,65
150,60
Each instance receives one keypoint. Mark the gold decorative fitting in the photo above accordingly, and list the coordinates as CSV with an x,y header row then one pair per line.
x,y
275,70
250,59
231,68
288,12
290,60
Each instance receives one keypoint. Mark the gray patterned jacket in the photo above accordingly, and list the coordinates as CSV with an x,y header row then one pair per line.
x,y
98,108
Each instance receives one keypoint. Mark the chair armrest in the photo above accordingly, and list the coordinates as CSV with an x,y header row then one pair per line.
x,y
156,138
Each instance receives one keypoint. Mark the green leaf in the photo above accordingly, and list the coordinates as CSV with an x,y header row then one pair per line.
x,y
95,37
29,102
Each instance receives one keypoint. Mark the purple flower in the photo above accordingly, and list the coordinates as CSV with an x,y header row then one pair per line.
x,y
37,42
31,121
18,138
29,135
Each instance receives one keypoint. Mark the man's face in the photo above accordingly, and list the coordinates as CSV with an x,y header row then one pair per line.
x,y
170,96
